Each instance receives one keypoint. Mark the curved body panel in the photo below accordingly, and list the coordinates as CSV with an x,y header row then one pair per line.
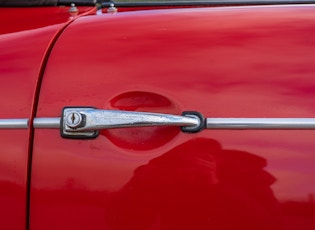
x,y
223,62
25,37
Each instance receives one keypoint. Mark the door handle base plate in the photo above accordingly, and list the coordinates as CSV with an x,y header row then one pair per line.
x,y
71,120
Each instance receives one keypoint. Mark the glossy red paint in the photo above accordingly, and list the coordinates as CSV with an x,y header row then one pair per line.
x,y
222,62
23,48
18,19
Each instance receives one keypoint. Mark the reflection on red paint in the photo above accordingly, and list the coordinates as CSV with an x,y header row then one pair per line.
x,y
197,185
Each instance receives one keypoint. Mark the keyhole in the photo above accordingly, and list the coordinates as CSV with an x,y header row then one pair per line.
x,y
73,118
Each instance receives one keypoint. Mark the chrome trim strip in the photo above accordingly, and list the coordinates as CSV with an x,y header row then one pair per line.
x,y
47,123
211,123
260,123
14,123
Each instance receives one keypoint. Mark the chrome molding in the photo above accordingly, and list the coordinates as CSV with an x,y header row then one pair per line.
x,y
85,122
211,123
14,123
47,123
260,123
89,119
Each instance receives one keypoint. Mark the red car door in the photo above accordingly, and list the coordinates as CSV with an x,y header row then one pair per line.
x,y
241,62
25,37
23,48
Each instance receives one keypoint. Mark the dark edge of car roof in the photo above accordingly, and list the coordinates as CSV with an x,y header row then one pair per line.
x,y
22,3
207,3
137,3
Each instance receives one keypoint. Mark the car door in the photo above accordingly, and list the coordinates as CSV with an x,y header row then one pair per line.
x,y
241,62
25,38
20,68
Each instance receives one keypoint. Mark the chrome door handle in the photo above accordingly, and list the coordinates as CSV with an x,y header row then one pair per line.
x,y
86,122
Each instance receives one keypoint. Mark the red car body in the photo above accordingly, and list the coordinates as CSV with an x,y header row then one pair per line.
x,y
234,61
